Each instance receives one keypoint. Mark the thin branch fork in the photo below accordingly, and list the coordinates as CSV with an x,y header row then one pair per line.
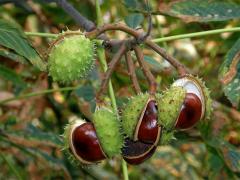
x,y
90,27
132,73
110,27
150,78
112,65
93,32
174,62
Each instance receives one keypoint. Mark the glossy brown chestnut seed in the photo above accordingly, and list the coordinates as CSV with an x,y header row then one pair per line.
x,y
136,152
147,129
190,112
85,144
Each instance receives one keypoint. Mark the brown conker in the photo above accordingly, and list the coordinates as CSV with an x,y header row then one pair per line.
x,y
190,112
136,152
148,130
193,108
85,144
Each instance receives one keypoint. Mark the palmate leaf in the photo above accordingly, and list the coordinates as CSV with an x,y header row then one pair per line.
x,y
201,11
13,38
229,74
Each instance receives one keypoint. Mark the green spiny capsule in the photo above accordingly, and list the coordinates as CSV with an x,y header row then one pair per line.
x,y
166,137
108,131
197,97
131,113
184,104
169,105
71,58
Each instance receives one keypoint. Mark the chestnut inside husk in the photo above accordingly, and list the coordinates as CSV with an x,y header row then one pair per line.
x,y
190,112
194,104
85,145
136,152
147,129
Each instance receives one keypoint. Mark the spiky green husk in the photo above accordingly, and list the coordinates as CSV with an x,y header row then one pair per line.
x,y
132,112
108,131
66,134
166,137
169,106
71,59
205,123
208,101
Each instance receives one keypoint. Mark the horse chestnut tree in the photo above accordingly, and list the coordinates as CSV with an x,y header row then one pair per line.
x,y
134,104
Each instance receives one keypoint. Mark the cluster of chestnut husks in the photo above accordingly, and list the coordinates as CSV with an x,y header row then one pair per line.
x,y
140,124
146,121
149,120
91,142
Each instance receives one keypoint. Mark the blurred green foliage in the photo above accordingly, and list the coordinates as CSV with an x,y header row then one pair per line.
x,y
30,145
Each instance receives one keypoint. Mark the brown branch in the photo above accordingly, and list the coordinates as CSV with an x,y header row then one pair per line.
x,y
95,32
150,78
70,10
109,27
132,73
108,73
174,62
149,30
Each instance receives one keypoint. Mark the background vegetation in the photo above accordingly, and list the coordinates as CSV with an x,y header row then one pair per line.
x,y
34,110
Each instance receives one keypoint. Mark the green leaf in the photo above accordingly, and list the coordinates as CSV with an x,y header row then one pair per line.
x,y
13,56
33,133
134,20
13,38
101,173
50,160
153,62
139,5
227,152
232,91
10,75
215,163
53,162
12,165
231,156
201,11
130,3
86,92
229,74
